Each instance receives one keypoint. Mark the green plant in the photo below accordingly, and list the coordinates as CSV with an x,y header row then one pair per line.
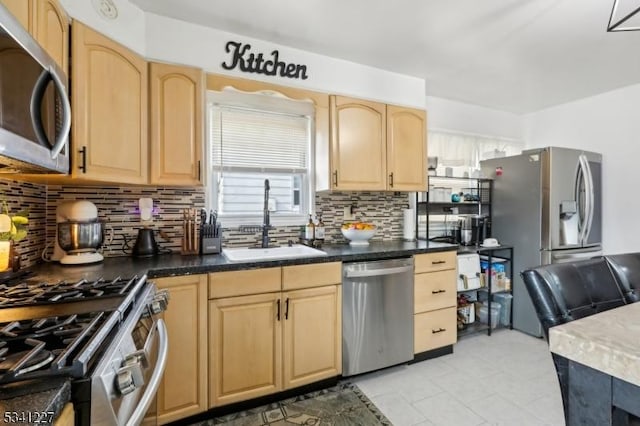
x,y
13,227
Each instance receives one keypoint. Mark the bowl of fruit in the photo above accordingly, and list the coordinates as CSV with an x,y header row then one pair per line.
x,y
358,233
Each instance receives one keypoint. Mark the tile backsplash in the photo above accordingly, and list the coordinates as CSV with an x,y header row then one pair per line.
x,y
381,208
118,206
32,197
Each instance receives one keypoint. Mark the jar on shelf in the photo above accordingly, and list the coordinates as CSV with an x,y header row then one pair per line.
x,y
6,255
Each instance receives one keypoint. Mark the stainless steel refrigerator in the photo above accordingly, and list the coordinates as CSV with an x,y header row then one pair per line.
x,y
547,203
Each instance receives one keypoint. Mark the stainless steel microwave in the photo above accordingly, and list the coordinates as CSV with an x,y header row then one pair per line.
x,y
35,115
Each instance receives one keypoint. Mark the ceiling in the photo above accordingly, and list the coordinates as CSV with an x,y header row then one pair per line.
x,y
512,55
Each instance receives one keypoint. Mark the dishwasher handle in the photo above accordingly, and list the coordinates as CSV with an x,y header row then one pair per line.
x,y
378,272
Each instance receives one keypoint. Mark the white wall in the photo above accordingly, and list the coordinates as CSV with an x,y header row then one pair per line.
x,y
444,114
128,29
170,40
606,123
178,41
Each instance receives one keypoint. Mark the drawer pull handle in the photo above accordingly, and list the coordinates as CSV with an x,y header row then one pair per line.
x,y
438,291
83,163
286,310
438,262
278,310
440,330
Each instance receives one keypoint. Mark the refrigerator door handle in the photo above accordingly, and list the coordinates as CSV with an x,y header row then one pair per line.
x,y
582,213
590,199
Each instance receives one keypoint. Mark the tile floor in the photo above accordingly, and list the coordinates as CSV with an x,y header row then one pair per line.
x,y
506,379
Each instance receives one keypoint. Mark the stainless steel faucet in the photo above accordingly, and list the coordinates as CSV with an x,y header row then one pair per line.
x,y
265,222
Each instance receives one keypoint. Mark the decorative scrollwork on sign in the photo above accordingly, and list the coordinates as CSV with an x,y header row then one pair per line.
x,y
249,62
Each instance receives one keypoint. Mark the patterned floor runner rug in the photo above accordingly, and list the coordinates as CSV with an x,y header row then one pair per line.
x,y
340,405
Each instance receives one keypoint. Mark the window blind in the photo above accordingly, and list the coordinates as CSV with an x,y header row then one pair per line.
x,y
247,139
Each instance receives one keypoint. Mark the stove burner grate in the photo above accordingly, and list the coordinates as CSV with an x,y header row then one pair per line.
x,y
47,346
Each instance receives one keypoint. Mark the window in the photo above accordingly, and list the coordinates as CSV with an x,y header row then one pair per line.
x,y
258,137
463,152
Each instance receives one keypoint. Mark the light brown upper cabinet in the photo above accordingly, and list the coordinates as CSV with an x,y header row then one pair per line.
x,y
23,10
47,21
109,103
406,149
358,144
176,124
52,31
376,147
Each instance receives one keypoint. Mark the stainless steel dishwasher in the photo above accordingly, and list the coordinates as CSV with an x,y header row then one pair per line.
x,y
377,314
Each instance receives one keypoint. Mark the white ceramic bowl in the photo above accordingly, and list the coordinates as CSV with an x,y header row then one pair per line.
x,y
358,236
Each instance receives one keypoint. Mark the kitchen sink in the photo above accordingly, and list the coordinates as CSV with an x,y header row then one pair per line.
x,y
273,253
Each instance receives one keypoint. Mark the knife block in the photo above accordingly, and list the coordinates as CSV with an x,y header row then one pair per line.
x,y
211,245
189,241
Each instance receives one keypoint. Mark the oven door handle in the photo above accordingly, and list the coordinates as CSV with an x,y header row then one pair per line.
x,y
151,389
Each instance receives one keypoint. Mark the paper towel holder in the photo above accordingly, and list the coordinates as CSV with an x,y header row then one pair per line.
x,y
409,225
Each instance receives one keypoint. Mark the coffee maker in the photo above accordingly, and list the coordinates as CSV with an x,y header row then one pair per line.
x,y
474,229
145,245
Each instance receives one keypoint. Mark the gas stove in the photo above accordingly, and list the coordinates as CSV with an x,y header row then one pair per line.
x,y
104,335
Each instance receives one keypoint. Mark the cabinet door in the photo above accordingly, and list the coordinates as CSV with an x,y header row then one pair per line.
x,y
66,417
245,348
51,29
434,329
183,389
434,290
22,10
177,130
406,149
109,101
358,144
312,335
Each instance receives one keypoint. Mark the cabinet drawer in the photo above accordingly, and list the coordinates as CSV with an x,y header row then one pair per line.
x,y
439,261
241,283
313,275
434,329
434,290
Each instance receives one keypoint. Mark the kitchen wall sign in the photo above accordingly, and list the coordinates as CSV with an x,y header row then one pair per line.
x,y
247,61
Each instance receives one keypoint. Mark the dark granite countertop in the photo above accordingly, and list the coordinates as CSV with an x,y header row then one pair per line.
x,y
174,264
40,401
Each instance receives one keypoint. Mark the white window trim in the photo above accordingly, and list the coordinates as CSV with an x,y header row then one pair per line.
x,y
269,101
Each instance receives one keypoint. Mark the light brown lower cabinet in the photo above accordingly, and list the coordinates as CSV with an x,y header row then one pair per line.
x,y
183,389
312,335
265,343
245,344
435,313
66,417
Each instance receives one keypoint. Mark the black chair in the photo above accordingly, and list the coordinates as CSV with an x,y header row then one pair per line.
x,y
568,291
626,269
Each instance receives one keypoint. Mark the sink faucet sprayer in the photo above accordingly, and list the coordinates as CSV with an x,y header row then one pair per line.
x,y
265,222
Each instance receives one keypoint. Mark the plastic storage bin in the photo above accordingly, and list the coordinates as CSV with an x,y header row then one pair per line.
x,y
504,300
483,314
498,276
